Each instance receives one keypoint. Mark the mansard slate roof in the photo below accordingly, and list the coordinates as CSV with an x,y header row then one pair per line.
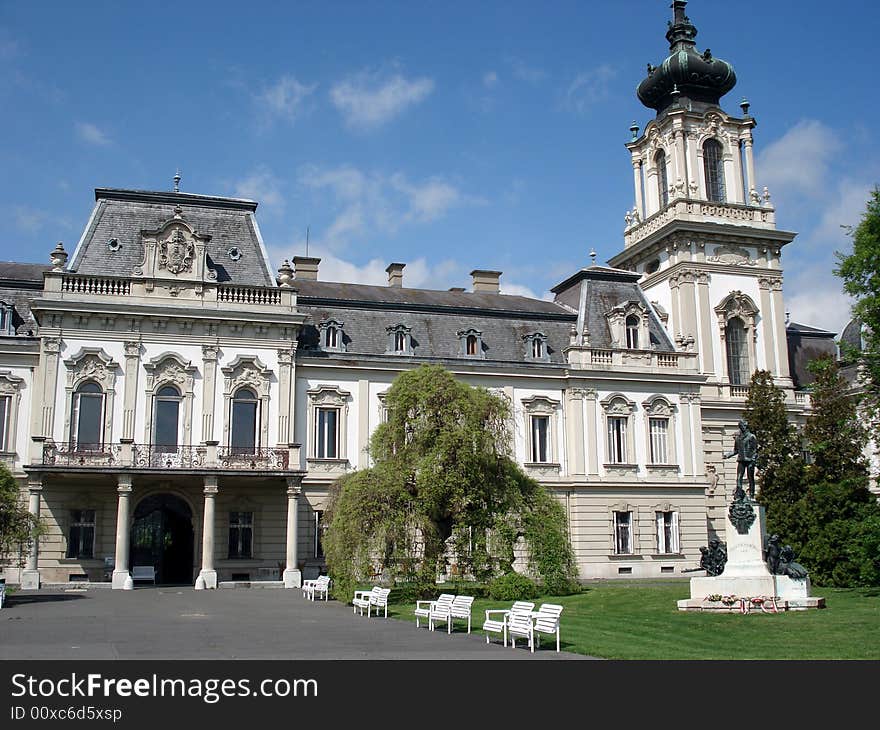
x,y
436,317
19,284
123,214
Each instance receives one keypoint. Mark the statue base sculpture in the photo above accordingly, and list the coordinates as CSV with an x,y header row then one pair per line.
x,y
746,575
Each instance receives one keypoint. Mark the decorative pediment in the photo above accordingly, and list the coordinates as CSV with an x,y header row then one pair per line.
x,y
175,250
540,404
247,371
617,404
91,363
9,383
331,395
736,304
658,406
170,369
732,256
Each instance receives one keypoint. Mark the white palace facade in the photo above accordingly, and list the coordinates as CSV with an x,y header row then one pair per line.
x,y
167,398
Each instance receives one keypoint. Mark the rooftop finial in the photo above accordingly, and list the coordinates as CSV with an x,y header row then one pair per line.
x,y
634,128
177,181
744,105
592,256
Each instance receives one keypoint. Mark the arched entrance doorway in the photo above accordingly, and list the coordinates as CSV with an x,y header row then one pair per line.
x,y
162,536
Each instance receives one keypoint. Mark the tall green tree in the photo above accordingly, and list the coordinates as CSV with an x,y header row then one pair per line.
x,y
780,466
840,515
860,271
443,475
17,526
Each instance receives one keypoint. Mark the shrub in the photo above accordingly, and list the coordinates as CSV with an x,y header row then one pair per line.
x,y
512,587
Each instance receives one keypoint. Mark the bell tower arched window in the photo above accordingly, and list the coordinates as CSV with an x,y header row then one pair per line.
x,y
662,178
737,352
713,165
88,415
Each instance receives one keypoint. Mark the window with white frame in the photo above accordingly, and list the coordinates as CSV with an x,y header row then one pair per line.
x,y
5,413
540,439
536,346
470,343
632,332
243,438
399,340
623,532
87,430
617,436
737,352
241,535
658,428
540,415
81,535
6,316
331,335
667,532
166,422
327,433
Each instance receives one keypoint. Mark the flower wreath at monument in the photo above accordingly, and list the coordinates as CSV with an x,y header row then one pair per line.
x,y
767,604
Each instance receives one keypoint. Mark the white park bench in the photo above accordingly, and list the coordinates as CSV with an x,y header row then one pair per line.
x,y
319,586
423,608
377,597
496,618
531,626
459,608
143,572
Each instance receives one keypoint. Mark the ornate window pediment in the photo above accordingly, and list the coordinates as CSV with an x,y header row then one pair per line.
x,y
628,325
170,368
247,371
91,363
400,341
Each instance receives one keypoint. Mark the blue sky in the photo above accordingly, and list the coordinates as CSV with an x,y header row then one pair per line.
x,y
449,136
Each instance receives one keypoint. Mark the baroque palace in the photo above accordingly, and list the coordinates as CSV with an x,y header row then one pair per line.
x,y
167,399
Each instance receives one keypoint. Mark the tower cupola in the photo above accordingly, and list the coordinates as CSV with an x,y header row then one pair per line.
x,y
686,77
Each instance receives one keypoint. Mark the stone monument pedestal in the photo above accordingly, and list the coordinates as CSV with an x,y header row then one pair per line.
x,y
747,577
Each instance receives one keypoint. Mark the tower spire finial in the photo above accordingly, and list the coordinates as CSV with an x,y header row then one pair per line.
x,y
177,179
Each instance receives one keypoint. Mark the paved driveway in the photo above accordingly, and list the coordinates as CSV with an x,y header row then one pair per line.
x,y
181,623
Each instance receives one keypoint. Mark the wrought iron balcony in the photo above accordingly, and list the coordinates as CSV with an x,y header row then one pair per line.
x,y
156,456
251,458
76,454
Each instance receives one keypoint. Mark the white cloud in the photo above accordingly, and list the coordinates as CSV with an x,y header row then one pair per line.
x,y
490,79
285,98
816,298
368,100
588,88
797,163
364,203
522,71
261,185
92,134
29,220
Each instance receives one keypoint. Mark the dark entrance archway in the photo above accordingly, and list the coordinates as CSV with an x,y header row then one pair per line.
x,y
162,536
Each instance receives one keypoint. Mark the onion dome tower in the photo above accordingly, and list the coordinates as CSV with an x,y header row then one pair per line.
x,y
686,77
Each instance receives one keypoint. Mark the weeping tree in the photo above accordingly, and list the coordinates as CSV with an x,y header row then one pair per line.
x,y
443,479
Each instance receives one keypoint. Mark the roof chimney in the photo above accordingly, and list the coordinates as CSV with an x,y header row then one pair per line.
x,y
395,274
306,267
486,281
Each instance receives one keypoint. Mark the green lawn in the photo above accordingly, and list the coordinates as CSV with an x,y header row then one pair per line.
x,y
617,620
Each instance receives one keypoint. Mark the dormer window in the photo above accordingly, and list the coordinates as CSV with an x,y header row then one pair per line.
x,y
536,346
632,332
470,343
6,327
399,340
331,336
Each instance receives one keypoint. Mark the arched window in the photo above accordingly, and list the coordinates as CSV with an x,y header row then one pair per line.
x,y
245,408
331,338
166,421
713,165
737,352
632,332
662,178
88,414
471,345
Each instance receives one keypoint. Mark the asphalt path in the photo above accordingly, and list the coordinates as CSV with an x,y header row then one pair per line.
x,y
182,623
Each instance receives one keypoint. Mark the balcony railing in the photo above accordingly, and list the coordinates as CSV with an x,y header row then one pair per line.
x,y
74,454
251,458
155,456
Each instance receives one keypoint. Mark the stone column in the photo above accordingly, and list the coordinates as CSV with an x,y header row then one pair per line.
x,y
704,316
591,433
767,329
30,577
779,320
292,575
208,576
209,387
574,405
129,397
637,180
750,167
121,576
